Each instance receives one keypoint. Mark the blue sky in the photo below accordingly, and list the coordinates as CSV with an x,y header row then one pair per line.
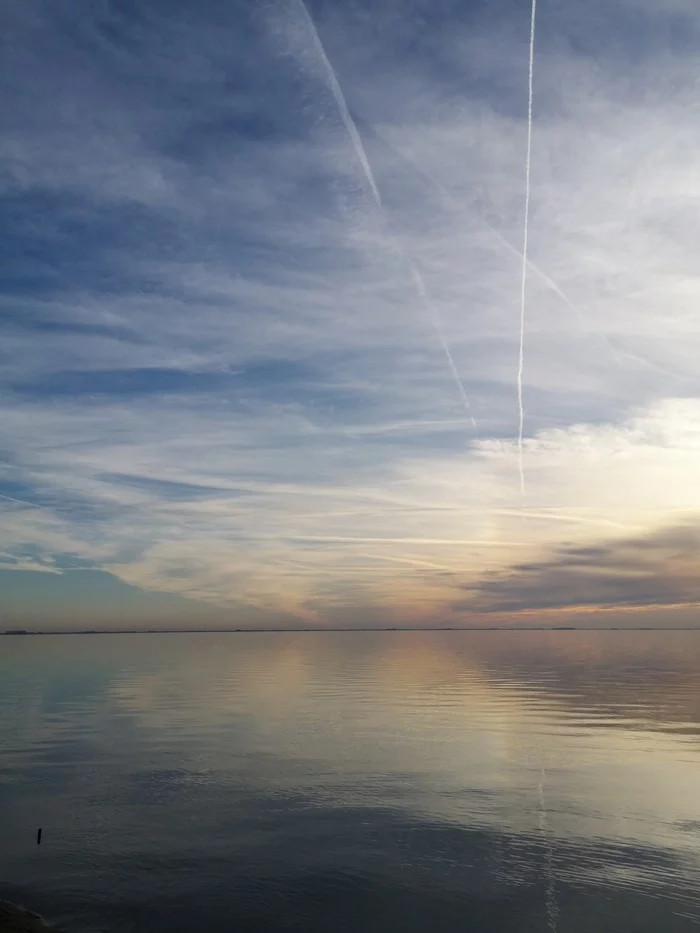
x,y
261,272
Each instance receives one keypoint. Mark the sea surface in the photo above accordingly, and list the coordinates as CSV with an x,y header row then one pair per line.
x,y
353,781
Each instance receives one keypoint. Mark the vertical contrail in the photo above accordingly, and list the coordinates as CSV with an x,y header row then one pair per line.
x,y
358,145
523,284
550,891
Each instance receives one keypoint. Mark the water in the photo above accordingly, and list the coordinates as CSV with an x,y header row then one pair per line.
x,y
391,781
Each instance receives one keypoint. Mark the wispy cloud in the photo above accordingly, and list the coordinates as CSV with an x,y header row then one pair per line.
x,y
654,570
219,379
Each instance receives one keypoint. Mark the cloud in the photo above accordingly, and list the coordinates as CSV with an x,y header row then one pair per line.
x,y
218,377
328,540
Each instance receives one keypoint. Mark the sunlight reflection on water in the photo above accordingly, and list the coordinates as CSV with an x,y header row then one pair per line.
x,y
323,781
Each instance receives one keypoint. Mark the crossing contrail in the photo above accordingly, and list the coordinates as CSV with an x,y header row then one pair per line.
x,y
33,505
436,321
416,277
526,222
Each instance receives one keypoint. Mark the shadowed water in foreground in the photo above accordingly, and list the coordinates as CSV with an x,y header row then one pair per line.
x,y
353,781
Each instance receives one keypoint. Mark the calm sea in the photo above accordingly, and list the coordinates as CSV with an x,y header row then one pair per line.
x,y
391,781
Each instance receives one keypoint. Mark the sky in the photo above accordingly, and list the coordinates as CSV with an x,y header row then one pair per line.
x,y
262,292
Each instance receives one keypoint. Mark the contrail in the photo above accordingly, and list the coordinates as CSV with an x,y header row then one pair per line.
x,y
34,505
436,321
345,115
353,133
550,895
523,284
364,539
555,288
412,561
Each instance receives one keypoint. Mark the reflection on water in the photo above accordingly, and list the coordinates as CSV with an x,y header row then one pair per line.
x,y
346,781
